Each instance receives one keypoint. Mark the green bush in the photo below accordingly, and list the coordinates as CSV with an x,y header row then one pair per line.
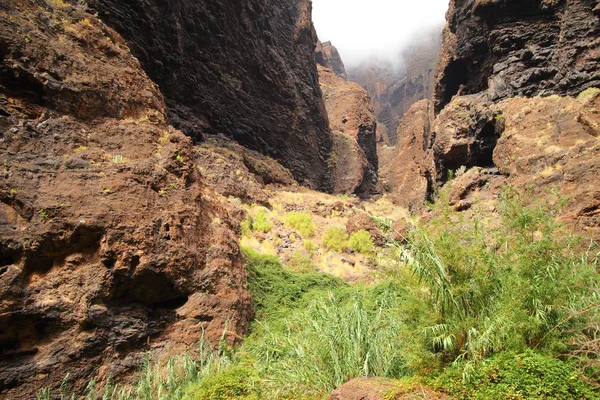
x,y
509,375
523,284
301,263
236,382
301,223
310,246
361,242
260,223
276,290
336,239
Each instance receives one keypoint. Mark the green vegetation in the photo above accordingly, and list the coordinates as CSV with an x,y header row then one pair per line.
x,y
361,242
505,306
301,223
336,239
258,222
526,375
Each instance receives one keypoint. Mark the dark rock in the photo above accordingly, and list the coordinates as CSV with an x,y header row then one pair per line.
x,y
328,56
244,69
514,48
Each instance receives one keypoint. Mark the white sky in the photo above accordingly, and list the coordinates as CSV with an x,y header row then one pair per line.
x,y
382,28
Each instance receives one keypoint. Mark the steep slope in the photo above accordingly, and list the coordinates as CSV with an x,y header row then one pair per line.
x,y
516,48
328,56
394,88
111,244
354,161
544,146
244,69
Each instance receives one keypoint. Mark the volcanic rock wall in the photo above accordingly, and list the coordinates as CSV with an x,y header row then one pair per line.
x,y
496,124
328,56
518,48
353,162
395,88
245,69
111,244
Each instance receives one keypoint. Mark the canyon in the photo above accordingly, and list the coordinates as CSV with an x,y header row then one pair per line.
x,y
142,140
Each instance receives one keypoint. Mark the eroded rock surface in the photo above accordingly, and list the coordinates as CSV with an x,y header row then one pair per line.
x,y
382,389
327,55
353,162
111,244
516,48
245,69
394,88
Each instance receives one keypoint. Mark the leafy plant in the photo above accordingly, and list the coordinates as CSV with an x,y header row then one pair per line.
x,y
336,239
301,223
361,242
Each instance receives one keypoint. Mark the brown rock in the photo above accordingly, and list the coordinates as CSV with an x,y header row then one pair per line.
x,y
111,244
233,170
353,161
328,56
547,144
412,175
394,89
382,389
362,221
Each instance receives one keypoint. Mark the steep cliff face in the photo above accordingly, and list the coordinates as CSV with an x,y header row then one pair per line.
x,y
518,48
354,162
111,244
244,69
395,88
328,56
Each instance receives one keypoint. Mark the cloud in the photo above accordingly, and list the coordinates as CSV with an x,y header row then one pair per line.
x,y
361,29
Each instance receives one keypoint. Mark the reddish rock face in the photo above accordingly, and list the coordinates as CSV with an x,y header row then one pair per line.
x,y
245,69
381,389
517,48
412,175
328,56
395,88
111,245
353,163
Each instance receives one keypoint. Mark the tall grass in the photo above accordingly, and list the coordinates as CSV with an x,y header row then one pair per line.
x,y
523,283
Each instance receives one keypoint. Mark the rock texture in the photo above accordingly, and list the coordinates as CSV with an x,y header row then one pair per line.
x,y
353,162
395,88
412,175
111,244
245,69
515,48
540,145
382,389
328,56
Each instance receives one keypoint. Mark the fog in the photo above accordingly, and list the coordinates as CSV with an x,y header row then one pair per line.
x,y
362,29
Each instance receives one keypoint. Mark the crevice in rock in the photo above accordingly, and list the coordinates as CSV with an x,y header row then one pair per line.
x,y
455,75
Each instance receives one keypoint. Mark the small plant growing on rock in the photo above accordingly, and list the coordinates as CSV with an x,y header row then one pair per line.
x,y
260,223
336,239
300,222
361,242
179,158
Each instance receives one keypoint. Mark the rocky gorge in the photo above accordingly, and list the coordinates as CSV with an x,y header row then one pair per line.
x,y
179,172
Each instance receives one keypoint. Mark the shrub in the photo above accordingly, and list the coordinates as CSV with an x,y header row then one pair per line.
x,y
361,242
236,382
508,375
257,223
310,246
516,286
260,223
336,239
301,263
301,223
